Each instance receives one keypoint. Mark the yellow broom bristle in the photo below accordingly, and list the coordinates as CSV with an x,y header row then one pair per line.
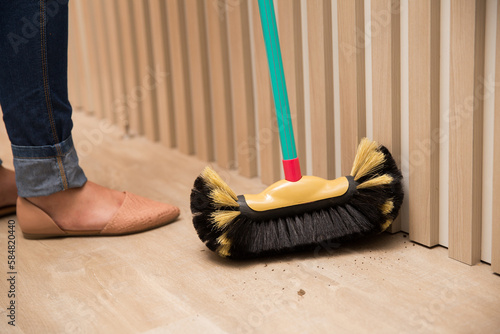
x,y
367,159
223,250
385,225
387,207
225,245
214,181
223,218
223,239
221,198
376,181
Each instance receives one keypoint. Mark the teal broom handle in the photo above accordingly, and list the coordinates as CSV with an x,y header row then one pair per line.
x,y
270,31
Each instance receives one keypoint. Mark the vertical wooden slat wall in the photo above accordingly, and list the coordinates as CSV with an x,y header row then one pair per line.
x,y
423,31
466,122
193,75
198,71
180,76
220,89
145,92
319,25
240,66
100,48
495,256
351,22
129,105
111,33
93,83
161,69
87,93
386,76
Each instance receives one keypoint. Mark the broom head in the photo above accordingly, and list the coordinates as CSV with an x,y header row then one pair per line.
x,y
292,216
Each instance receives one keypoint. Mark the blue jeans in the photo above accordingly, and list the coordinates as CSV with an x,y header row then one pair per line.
x,y
34,95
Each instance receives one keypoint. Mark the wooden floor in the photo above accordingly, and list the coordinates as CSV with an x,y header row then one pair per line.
x,y
166,281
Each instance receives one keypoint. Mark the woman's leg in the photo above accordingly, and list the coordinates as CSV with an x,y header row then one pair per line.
x,y
34,98
37,115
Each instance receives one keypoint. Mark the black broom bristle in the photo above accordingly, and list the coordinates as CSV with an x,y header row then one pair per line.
x,y
372,205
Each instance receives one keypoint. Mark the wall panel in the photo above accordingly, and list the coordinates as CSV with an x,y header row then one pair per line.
x,y
466,108
495,256
220,89
144,92
240,65
116,69
319,25
193,74
161,68
351,25
180,76
386,76
198,71
424,30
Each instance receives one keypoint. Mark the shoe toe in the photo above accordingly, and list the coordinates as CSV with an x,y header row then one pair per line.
x,y
140,214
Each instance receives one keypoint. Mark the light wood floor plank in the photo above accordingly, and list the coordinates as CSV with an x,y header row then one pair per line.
x,y
166,280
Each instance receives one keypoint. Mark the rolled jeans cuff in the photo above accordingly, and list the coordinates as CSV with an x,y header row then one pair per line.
x,y
45,170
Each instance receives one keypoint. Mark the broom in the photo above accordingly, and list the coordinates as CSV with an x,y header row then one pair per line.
x,y
300,212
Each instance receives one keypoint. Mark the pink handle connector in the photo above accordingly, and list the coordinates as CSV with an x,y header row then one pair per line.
x,y
292,170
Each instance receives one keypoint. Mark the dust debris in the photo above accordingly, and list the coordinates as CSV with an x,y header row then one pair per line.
x,y
301,292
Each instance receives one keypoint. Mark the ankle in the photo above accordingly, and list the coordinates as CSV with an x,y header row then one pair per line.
x,y
59,199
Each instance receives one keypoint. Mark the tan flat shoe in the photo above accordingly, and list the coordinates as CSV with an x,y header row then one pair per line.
x,y
136,214
7,210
